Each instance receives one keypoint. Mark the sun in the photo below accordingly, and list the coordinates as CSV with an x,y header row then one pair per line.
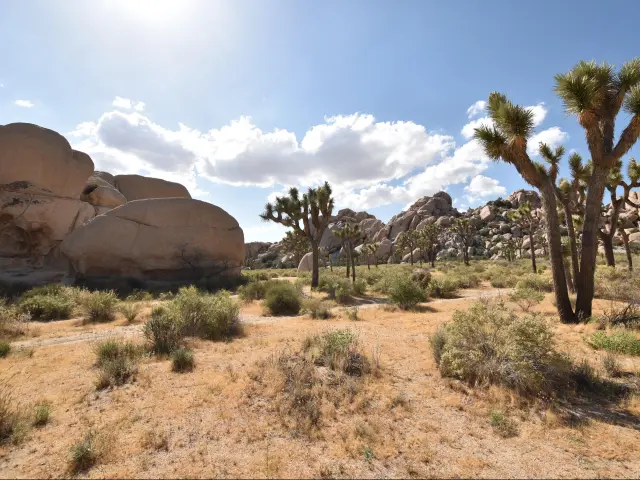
x,y
153,11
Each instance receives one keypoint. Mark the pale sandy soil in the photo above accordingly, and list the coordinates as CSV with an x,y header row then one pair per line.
x,y
219,421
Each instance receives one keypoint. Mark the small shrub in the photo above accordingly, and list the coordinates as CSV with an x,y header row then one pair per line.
x,y
338,350
488,344
535,282
129,311
611,365
41,414
99,306
162,331
437,342
256,290
182,360
443,288
504,282
359,287
502,424
10,417
526,297
139,296
352,314
118,362
317,309
405,293
466,280
283,299
619,341
84,454
204,315
421,277
5,348
13,322
47,307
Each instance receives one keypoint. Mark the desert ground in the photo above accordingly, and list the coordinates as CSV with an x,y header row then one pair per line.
x,y
233,416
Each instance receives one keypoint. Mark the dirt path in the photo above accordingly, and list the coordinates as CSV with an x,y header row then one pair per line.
x,y
134,330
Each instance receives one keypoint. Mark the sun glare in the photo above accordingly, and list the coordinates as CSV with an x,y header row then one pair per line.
x,y
153,11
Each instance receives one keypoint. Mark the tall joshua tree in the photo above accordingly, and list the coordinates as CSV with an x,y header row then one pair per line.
x,y
349,235
428,241
408,241
308,214
615,181
596,94
524,218
463,232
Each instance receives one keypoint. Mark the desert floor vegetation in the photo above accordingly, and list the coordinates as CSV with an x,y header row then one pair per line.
x,y
342,381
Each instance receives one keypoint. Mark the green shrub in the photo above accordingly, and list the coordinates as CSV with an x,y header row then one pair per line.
x,y
99,306
466,280
139,296
487,344
204,315
84,454
338,350
47,307
421,277
443,288
162,331
317,309
359,287
182,360
256,290
535,282
41,414
5,348
502,425
619,341
405,293
283,299
129,310
437,342
118,362
526,297
506,281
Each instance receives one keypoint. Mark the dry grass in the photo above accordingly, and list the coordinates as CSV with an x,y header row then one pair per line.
x,y
227,418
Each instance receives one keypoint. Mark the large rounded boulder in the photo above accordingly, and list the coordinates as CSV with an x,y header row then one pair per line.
x,y
137,187
42,157
165,239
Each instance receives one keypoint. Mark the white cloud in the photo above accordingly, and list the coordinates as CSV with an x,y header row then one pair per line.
x,y
24,103
553,137
482,187
127,104
476,109
539,113
469,129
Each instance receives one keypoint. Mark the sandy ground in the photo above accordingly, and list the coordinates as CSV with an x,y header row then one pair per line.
x,y
218,421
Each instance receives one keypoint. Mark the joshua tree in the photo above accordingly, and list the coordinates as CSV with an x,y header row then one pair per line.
x,y
615,180
428,241
308,215
509,249
524,218
370,250
349,235
324,252
408,241
296,243
595,94
463,231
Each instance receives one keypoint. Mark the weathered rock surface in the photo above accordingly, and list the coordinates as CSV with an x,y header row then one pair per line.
x,y
43,158
104,196
306,263
137,187
158,239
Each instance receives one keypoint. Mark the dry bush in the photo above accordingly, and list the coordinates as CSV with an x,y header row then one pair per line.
x,y
88,451
129,310
318,309
162,332
13,322
443,288
526,297
203,315
627,315
117,362
535,282
99,306
182,360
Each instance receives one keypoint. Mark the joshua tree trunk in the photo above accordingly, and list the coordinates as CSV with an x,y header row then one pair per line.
x,y
627,248
584,282
607,243
411,256
532,247
348,264
330,263
353,266
315,274
432,255
465,255
573,244
368,262
555,253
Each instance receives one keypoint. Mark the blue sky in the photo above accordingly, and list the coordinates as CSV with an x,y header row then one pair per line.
x,y
238,99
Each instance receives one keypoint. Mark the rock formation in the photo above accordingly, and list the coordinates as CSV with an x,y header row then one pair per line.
x,y
50,193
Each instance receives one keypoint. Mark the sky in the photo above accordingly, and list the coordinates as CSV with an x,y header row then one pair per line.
x,y
240,99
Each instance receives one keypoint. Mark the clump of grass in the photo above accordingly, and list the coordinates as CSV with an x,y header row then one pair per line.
x,y
487,344
283,299
405,293
318,309
502,425
437,342
338,350
99,306
443,288
611,365
84,454
162,332
535,282
5,348
13,322
139,296
129,311
117,362
41,414
182,360
352,314
526,297
619,341
203,315
11,421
